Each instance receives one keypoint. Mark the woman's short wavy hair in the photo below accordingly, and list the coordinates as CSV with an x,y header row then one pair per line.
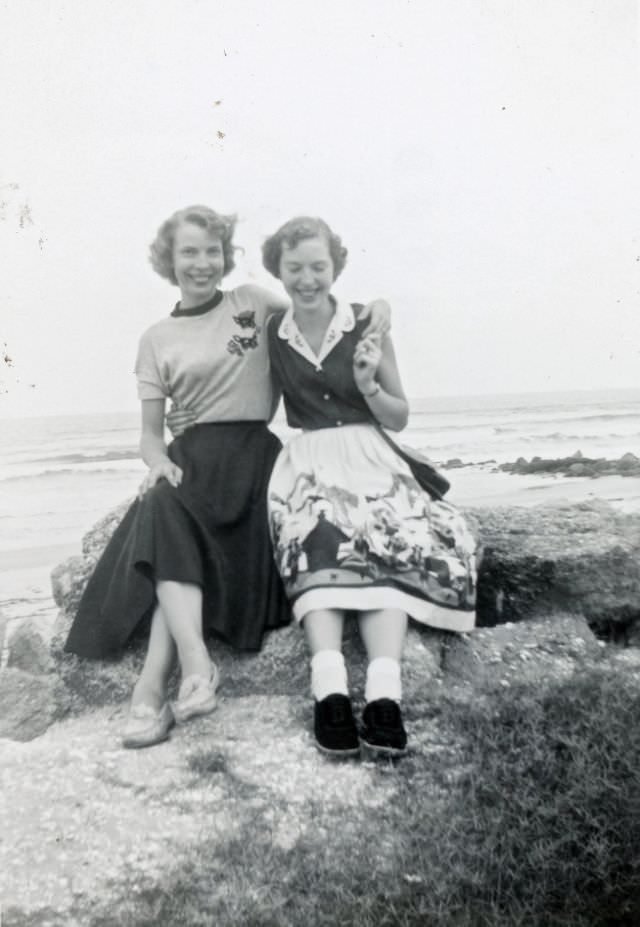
x,y
161,249
295,231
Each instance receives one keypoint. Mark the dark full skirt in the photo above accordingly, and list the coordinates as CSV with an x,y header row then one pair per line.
x,y
212,530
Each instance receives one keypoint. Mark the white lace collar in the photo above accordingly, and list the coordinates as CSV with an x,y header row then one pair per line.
x,y
343,320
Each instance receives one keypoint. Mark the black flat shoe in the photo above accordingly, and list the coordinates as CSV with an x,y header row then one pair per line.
x,y
383,732
334,726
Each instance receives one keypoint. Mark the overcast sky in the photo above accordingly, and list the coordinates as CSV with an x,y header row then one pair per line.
x,y
479,159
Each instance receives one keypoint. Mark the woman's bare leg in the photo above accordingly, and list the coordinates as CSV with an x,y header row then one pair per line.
x,y
383,633
151,687
181,605
323,629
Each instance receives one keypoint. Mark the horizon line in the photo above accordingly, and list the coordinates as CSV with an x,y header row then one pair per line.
x,y
434,396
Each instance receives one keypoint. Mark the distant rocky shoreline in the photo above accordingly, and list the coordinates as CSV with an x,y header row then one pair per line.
x,y
575,465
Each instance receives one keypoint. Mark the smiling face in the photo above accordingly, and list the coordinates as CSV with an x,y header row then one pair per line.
x,y
198,263
306,271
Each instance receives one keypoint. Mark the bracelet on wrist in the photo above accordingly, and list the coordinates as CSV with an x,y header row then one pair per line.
x,y
374,392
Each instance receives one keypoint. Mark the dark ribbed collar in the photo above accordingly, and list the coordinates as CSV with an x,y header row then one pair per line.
x,y
215,300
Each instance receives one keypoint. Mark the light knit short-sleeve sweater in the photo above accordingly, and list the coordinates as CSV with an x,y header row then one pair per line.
x,y
215,363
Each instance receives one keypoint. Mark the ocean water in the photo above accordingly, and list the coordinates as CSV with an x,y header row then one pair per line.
x,y
60,474
504,427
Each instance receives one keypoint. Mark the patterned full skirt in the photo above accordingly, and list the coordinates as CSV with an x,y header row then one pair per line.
x,y
352,529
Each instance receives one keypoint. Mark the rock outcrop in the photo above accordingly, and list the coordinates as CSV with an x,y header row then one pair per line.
x,y
576,465
582,558
555,583
30,703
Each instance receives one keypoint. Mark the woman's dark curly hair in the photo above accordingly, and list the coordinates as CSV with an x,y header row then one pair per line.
x,y
295,231
161,250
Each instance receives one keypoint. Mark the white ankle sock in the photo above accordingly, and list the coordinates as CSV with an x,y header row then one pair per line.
x,y
383,680
328,674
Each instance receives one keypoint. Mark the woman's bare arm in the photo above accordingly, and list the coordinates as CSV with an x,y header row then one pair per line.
x,y
377,377
153,447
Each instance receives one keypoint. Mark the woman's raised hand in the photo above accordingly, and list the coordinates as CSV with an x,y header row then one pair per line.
x,y
178,420
163,470
366,359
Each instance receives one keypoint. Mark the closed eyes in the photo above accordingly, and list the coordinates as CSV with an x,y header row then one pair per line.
x,y
296,268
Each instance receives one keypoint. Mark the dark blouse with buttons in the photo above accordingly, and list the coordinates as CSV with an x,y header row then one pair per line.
x,y
325,396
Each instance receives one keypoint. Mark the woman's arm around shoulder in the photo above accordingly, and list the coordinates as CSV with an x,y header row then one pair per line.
x,y
270,303
378,314
375,371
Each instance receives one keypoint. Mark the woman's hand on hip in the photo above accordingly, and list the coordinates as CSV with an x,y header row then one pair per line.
x,y
163,470
178,420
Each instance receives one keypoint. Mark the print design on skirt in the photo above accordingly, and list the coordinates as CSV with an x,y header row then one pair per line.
x,y
397,538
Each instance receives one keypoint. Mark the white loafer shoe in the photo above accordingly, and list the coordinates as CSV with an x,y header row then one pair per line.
x,y
146,727
197,696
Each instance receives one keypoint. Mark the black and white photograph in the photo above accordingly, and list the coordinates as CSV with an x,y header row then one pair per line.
x,y
319,463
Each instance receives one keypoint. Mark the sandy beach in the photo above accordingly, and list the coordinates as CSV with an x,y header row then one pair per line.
x,y
30,558
476,486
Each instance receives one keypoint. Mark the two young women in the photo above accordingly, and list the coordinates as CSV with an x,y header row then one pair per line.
x,y
351,528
